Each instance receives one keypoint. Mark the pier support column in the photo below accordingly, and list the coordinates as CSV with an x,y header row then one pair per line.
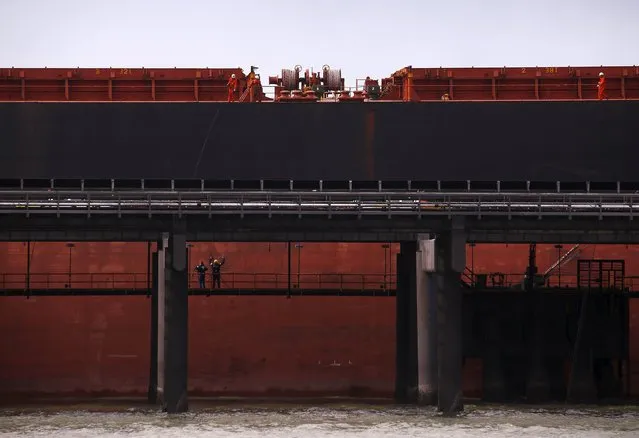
x,y
176,302
406,325
451,261
160,317
152,394
581,386
538,383
494,380
426,289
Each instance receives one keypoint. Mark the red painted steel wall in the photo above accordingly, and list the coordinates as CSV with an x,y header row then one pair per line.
x,y
297,346
74,345
125,265
238,345
269,344
511,83
116,84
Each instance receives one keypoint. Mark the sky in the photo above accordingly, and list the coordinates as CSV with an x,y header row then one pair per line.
x,y
362,38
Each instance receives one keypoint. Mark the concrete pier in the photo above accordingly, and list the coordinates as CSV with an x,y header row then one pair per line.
x,y
538,382
581,383
494,379
426,289
451,261
406,325
176,326
169,330
152,395
429,321
161,274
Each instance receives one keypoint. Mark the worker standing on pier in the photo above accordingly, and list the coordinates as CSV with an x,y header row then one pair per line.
x,y
232,87
201,274
601,87
216,265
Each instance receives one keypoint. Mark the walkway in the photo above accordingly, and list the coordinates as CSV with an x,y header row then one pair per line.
x,y
233,283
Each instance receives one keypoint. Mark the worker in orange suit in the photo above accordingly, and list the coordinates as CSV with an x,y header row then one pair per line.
x,y
232,87
601,87
257,89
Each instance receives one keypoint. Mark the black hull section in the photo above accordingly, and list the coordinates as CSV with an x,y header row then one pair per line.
x,y
454,141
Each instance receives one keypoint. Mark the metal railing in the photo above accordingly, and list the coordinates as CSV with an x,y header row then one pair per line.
x,y
55,280
229,280
499,280
264,281
482,90
335,203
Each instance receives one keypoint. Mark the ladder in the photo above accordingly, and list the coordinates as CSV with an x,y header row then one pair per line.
x,y
567,257
244,94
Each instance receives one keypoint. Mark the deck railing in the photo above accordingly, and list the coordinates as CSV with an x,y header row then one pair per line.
x,y
229,280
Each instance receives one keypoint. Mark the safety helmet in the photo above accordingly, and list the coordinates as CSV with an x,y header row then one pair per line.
x,y
233,75
601,74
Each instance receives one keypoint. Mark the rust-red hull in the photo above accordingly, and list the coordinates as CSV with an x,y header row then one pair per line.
x,y
239,345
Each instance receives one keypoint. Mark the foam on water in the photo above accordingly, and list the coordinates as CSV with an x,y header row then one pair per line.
x,y
330,421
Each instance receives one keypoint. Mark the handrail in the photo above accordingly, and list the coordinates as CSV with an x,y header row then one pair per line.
x,y
500,280
545,85
565,258
336,203
261,281
36,186
229,280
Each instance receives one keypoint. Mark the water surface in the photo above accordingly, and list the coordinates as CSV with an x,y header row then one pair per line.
x,y
338,420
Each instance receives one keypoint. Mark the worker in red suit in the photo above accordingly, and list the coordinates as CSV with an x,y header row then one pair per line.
x,y
257,89
601,87
232,87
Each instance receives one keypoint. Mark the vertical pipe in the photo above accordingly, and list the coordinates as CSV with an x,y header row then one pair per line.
x,y
70,246
148,266
289,269
28,265
385,265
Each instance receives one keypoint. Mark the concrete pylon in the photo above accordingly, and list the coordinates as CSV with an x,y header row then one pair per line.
x,y
406,330
450,263
176,319
169,344
426,290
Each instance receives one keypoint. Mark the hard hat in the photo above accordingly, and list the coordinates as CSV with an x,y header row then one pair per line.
x,y
601,74
233,75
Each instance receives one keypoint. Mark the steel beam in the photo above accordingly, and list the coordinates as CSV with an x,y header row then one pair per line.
x,y
317,229
311,203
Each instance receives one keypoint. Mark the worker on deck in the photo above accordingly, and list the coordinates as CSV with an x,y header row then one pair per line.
x,y
601,87
216,265
201,274
232,87
255,88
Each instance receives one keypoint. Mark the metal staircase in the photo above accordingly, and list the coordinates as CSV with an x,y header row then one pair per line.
x,y
570,255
